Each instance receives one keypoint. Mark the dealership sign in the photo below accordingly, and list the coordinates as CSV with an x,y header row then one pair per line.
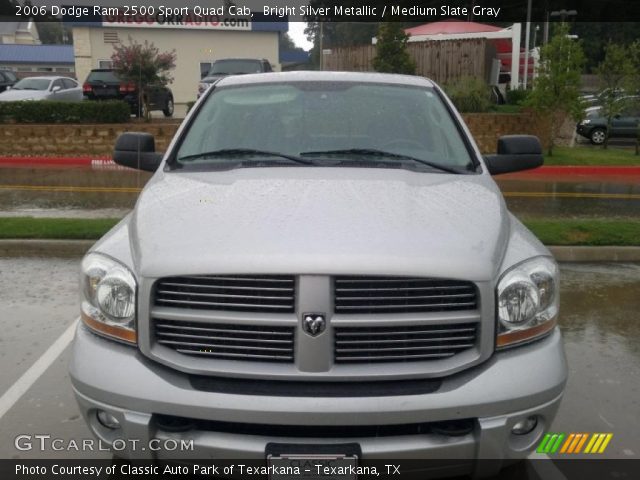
x,y
181,18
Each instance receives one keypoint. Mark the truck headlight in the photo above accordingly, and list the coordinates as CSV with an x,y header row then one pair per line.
x,y
108,297
527,301
586,121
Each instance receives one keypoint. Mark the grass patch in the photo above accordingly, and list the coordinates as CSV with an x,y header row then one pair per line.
x,y
586,231
591,156
55,228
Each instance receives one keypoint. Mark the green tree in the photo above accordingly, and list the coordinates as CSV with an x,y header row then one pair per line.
x,y
634,82
287,43
144,65
8,9
556,90
53,32
615,74
392,54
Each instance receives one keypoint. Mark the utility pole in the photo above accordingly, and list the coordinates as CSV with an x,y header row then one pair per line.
x,y
321,46
526,45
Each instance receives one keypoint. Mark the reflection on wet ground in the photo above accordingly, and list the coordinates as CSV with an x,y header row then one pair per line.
x,y
68,188
600,321
583,197
85,188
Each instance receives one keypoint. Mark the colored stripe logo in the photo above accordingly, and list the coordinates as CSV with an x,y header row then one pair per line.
x,y
574,443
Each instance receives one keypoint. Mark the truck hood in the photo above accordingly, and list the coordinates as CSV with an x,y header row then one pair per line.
x,y
319,220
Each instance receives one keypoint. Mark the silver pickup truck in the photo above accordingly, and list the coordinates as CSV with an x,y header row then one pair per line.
x,y
321,261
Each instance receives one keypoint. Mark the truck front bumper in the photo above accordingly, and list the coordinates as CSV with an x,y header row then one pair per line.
x,y
511,386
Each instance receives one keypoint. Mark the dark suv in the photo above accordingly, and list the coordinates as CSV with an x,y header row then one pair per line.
x,y
104,84
232,66
7,79
623,125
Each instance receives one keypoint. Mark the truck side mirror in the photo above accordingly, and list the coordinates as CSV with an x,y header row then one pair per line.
x,y
515,153
137,150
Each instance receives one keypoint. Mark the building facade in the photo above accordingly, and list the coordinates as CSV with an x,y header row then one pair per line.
x,y
196,46
37,60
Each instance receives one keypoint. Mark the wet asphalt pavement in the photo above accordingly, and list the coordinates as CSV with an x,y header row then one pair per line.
x,y
599,319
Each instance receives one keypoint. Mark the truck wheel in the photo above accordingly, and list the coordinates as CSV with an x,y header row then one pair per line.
x,y
168,108
598,136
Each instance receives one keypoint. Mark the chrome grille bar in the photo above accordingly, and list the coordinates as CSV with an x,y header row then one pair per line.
x,y
368,344
246,293
374,294
227,341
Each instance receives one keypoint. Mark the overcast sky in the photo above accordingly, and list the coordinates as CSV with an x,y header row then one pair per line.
x,y
296,31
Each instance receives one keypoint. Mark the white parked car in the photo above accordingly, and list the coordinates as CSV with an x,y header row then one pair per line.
x,y
44,88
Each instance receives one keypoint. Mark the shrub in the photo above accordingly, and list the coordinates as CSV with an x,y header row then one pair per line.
x,y
470,95
517,96
110,111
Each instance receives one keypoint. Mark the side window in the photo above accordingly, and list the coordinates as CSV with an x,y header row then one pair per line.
x,y
3,78
105,64
68,83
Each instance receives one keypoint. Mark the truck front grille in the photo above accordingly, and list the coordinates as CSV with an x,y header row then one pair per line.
x,y
243,293
372,294
402,343
226,341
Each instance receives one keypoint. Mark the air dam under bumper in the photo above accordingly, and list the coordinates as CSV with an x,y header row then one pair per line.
x,y
509,387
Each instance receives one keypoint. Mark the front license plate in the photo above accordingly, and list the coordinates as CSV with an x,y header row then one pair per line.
x,y
312,467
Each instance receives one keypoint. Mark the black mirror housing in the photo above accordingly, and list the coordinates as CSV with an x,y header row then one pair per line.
x,y
515,153
137,150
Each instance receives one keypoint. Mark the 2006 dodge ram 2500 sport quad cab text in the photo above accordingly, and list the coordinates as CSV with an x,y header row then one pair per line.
x,y
322,259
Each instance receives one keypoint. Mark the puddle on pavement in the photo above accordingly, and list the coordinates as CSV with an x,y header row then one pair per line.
x,y
600,307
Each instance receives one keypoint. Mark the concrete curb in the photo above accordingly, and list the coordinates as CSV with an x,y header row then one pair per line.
x,y
595,254
77,248
44,248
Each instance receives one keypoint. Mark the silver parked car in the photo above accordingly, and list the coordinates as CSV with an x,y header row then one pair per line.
x,y
43,88
322,263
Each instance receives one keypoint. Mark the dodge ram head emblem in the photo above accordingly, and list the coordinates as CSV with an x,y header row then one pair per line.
x,y
314,323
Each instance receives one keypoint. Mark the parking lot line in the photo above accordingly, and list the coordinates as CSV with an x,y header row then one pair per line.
x,y
28,378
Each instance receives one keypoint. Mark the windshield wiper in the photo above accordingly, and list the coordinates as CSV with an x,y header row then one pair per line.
x,y
245,152
372,152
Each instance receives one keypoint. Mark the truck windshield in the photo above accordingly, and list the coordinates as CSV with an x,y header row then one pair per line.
x,y
235,67
326,124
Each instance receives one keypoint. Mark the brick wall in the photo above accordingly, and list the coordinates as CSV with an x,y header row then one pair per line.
x,y
487,127
74,140
98,140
